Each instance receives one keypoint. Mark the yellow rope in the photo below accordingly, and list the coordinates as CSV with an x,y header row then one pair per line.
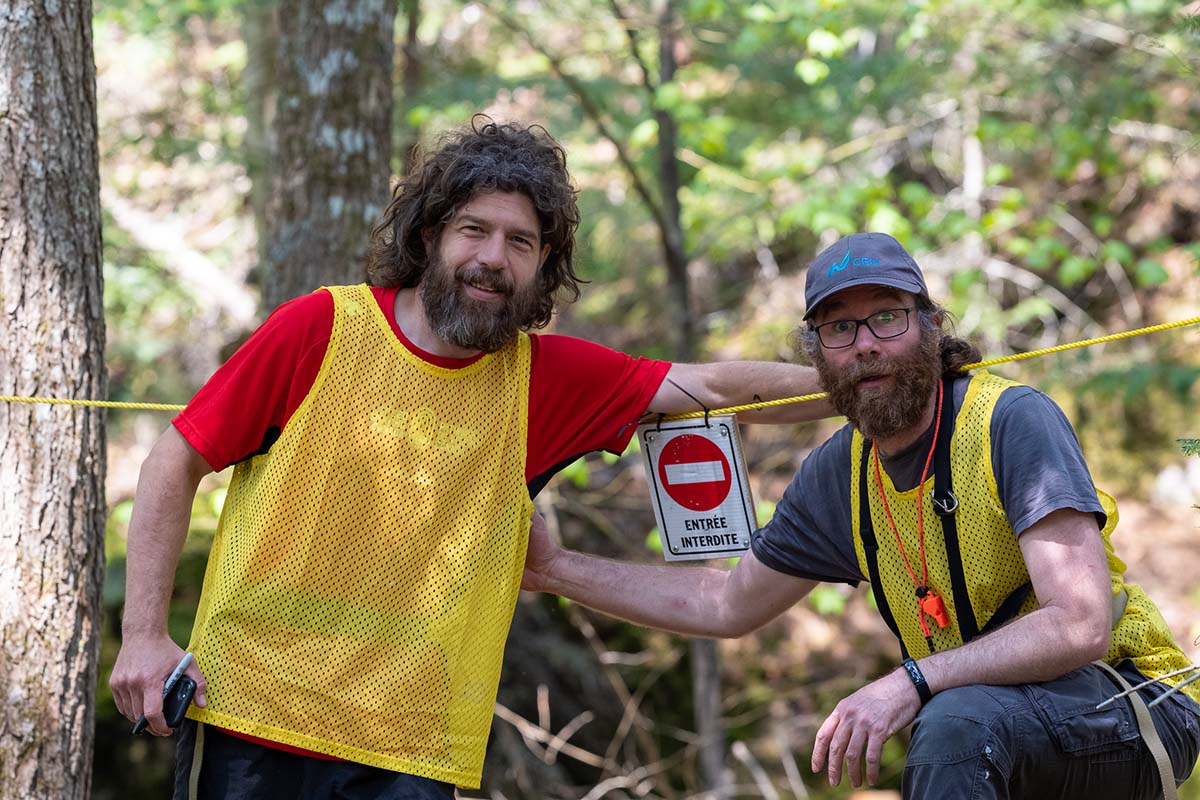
x,y
57,401
691,414
979,365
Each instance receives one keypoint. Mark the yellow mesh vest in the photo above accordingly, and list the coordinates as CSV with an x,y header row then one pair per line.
x,y
364,574
992,558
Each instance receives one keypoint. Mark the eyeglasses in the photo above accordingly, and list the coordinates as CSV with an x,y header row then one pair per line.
x,y
886,324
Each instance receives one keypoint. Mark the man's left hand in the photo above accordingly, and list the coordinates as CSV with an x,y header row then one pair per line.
x,y
861,723
539,556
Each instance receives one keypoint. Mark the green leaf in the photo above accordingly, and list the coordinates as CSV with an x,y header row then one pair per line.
x,y
577,473
669,96
1029,309
886,219
963,280
812,71
644,133
827,600
654,541
764,510
1150,273
997,173
1018,246
216,500
824,43
1076,269
1119,251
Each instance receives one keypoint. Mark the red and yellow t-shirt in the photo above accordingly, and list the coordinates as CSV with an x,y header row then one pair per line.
x,y
362,581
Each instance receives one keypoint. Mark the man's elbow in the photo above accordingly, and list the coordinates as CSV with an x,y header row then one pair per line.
x,y
1094,645
1089,632
735,625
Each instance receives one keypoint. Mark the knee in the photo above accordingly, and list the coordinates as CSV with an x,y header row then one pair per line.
x,y
957,724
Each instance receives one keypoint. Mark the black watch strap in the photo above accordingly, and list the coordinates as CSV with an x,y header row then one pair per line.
x,y
918,679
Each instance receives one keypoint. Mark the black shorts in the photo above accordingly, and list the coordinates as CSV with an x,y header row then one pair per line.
x,y
230,768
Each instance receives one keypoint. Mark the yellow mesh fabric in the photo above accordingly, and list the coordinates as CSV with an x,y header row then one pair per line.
x,y
992,559
364,573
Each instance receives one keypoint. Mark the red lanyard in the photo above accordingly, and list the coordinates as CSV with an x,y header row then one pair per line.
x,y
928,600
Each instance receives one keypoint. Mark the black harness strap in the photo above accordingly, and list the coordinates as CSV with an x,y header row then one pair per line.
x,y
866,530
1009,608
945,503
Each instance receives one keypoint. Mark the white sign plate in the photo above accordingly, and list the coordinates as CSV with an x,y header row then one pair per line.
x,y
698,487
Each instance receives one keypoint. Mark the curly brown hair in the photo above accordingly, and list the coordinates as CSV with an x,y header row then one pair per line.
x,y
486,157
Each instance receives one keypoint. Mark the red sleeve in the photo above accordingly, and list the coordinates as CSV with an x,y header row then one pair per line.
x,y
584,397
245,404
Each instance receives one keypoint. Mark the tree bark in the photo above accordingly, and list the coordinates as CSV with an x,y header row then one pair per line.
x,y
706,660
260,34
51,343
674,248
410,84
329,149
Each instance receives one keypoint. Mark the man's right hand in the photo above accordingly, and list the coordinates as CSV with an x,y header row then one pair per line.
x,y
142,667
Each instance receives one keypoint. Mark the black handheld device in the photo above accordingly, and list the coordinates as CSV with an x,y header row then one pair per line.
x,y
175,704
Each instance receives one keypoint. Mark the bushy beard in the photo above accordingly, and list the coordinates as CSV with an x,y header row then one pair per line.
x,y
466,322
880,412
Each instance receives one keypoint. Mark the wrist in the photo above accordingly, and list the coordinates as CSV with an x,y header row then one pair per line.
x,y
924,693
142,628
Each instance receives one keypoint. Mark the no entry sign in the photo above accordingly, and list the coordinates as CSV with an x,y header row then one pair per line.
x,y
698,487
694,472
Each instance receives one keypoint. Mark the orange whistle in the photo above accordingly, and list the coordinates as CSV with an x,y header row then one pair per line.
x,y
932,605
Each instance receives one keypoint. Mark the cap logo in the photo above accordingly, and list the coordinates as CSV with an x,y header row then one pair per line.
x,y
864,261
838,266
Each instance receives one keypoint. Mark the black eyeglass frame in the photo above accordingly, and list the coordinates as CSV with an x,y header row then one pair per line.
x,y
858,323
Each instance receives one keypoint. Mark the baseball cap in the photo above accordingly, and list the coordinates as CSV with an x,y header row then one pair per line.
x,y
861,259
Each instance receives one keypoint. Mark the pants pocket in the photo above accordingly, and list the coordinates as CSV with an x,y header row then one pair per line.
x,y
1067,707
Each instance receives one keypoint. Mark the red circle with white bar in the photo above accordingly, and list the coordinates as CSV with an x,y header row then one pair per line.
x,y
694,472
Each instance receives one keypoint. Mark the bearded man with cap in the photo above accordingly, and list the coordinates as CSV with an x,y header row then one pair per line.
x,y
966,502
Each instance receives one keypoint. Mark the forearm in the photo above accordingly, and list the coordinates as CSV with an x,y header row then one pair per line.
x,y
157,530
1036,647
693,601
682,600
738,382
733,383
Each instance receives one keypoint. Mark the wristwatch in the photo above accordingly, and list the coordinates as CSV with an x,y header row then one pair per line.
x,y
918,679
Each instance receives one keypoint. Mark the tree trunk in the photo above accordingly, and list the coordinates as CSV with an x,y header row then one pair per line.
x,y
706,661
410,135
329,159
674,249
258,78
51,343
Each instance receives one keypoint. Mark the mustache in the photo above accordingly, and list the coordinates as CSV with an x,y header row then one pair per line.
x,y
861,371
487,279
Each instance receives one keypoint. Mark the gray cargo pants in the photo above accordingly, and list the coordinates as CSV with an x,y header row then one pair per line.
x,y
1046,740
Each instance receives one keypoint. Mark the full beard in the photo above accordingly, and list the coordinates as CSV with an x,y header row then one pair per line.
x,y
877,412
466,322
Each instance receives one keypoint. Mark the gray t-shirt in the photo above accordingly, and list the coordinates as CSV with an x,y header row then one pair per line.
x,y
1036,458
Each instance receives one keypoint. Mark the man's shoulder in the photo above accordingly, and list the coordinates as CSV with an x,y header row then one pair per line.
x,y
561,346
832,455
560,357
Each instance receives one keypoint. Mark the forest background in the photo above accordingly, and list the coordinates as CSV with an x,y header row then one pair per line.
x,y
1039,158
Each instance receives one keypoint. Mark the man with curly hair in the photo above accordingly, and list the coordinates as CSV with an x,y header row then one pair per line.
x,y
388,438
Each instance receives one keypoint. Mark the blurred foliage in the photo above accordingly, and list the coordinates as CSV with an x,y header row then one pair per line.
x,y
1039,157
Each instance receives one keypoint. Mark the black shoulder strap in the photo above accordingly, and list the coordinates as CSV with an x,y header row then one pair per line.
x,y
1009,608
945,503
866,530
